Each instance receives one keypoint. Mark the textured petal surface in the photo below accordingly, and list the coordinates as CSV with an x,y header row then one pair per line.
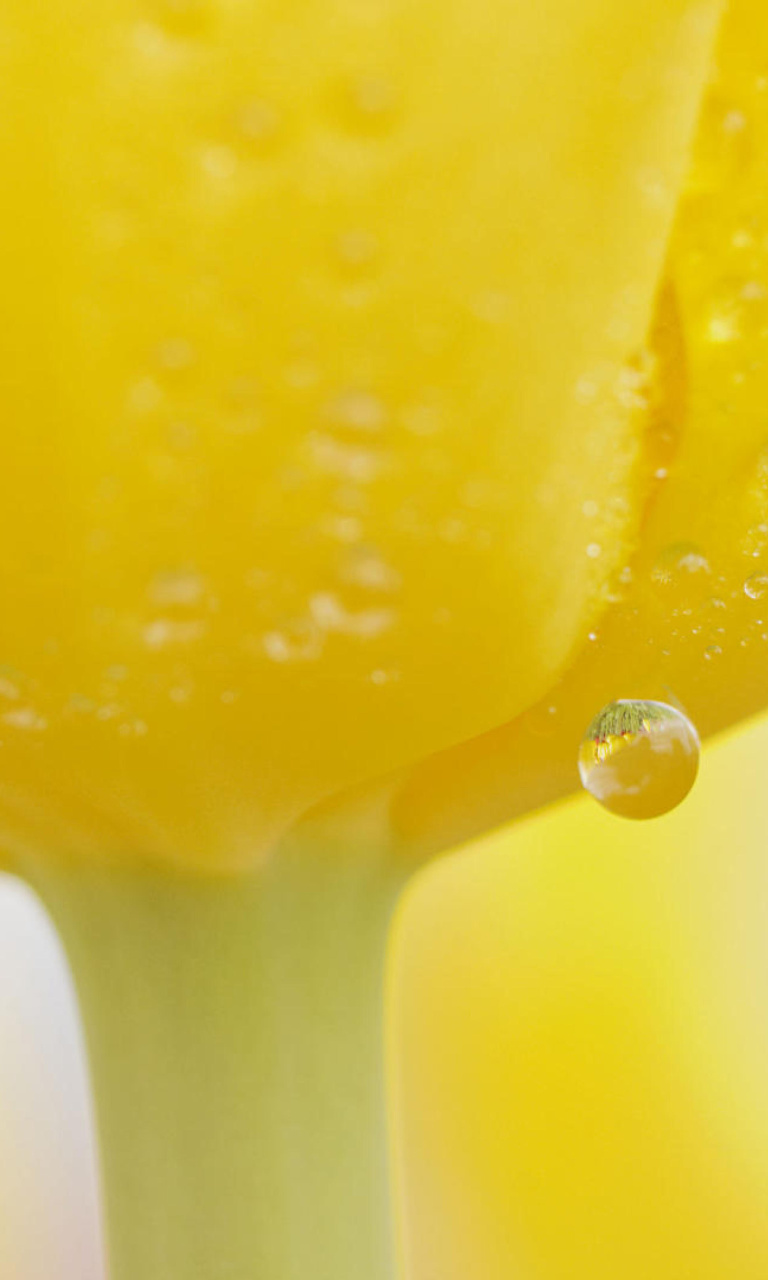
x,y
688,617
316,320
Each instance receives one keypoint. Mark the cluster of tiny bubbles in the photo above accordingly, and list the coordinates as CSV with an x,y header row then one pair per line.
x,y
737,309
639,759
296,640
681,573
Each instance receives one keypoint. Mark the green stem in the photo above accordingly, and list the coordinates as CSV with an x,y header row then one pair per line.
x,y
235,1037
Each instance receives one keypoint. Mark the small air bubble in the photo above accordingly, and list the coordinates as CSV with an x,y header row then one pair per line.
x,y
756,586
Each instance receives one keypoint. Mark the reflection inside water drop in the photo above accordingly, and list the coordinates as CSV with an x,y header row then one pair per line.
x,y
639,759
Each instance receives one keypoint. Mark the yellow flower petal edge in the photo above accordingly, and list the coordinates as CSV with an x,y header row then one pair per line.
x,y
687,616
315,327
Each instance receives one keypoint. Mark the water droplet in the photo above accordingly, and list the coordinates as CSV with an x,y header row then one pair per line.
x,y
258,123
180,694
330,614
109,711
594,550
356,411
348,462
712,651
342,528
756,587
301,375
81,705
724,147
219,162
423,419
133,729
165,632
639,759
25,718
300,640
144,396
382,676
183,588
492,306
371,102
543,720
739,308
681,573
175,356
366,569
116,674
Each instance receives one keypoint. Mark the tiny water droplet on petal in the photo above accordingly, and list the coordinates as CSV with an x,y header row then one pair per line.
x,y
756,586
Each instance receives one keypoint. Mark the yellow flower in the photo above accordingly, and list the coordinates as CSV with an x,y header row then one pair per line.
x,y
337,427
324,452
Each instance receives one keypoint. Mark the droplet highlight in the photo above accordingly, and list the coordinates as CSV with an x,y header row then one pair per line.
x,y
639,759
756,586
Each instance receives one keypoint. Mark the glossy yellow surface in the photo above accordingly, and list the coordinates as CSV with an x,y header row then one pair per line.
x,y
687,621
580,1009
321,447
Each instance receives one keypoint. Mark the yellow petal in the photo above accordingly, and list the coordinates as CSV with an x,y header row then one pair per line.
x,y
314,322
687,620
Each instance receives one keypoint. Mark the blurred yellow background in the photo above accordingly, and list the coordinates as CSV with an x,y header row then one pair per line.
x,y
581,1012
580,1030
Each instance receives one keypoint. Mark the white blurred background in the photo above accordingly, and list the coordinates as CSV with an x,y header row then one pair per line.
x,y
49,1217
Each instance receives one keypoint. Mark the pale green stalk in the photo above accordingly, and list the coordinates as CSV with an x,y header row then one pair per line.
x,y
235,1035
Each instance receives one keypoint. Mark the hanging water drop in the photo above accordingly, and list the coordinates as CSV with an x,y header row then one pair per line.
x,y
639,759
